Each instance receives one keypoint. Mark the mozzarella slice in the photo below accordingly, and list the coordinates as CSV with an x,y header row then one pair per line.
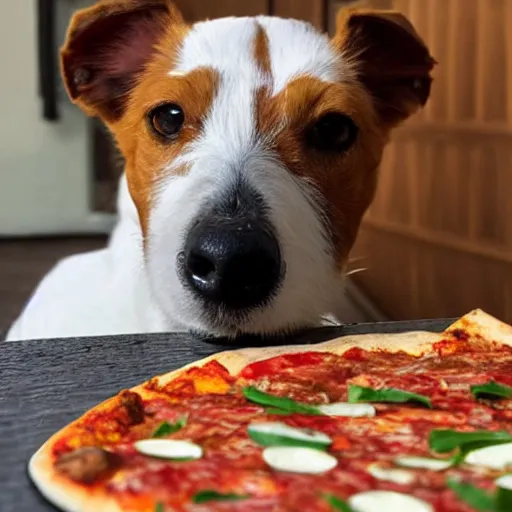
x,y
395,475
505,482
169,449
387,501
346,409
278,433
423,463
498,456
299,460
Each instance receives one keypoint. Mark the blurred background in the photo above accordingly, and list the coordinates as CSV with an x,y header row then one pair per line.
x,y
437,241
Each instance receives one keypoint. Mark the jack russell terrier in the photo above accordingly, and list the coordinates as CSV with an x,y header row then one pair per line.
x,y
252,148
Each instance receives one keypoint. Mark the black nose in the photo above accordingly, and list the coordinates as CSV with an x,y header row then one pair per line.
x,y
235,263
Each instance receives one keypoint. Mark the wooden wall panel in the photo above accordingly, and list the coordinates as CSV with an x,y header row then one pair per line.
x,y
197,10
438,239
314,11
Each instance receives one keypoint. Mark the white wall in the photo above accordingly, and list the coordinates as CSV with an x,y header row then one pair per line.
x,y
44,171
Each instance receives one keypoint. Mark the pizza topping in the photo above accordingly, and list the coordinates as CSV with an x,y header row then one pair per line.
x,y
491,390
365,394
280,434
282,363
423,462
474,496
169,449
336,503
347,409
87,465
503,499
387,501
134,406
446,440
166,428
504,482
497,457
210,495
397,476
278,402
297,459
482,500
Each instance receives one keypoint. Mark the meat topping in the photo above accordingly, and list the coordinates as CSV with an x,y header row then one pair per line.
x,y
87,464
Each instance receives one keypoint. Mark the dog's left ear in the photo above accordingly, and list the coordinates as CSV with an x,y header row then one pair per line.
x,y
108,46
390,58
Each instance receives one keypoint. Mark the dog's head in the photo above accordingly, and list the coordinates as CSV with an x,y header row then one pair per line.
x,y
252,147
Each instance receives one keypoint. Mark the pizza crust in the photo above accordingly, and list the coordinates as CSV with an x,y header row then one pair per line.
x,y
72,497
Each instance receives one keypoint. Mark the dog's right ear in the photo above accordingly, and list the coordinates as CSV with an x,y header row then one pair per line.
x,y
391,59
108,46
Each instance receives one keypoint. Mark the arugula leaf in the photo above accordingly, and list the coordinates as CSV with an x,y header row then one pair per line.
x,y
503,499
491,390
393,395
475,497
285,404
166,428
336,503
210,495
280,434
159,507
446,440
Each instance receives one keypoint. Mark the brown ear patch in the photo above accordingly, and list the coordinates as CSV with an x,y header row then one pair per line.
x,y
390,57
107,47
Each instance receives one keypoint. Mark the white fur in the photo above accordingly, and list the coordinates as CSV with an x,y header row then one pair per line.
x,y
114,291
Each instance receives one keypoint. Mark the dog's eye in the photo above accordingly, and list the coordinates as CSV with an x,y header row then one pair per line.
x,y
332,132
167,120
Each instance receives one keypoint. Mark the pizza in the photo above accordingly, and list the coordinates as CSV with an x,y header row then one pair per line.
x,y
416,422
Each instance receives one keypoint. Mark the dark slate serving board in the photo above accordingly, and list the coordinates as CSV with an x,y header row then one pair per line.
x,y
46,384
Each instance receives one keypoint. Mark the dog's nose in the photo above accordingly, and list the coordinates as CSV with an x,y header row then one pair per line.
x,y
235,263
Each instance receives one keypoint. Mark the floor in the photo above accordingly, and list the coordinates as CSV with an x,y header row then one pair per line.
x,y
23,263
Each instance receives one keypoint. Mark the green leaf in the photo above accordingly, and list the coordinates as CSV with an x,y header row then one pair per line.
x,y
503,500
210,495
363,394
166,428
491,390
475,497
280,439
446,440
336,503
285,404
159,507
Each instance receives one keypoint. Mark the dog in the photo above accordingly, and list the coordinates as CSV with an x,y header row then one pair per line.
x,y
252,148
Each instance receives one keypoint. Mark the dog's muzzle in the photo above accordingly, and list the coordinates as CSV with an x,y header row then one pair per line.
x,y
231,258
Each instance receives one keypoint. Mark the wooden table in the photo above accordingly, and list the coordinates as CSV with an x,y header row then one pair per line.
x,y
46,384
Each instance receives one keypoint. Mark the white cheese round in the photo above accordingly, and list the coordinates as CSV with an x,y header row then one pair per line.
x,y
505,482
498,456
296,459
169,449
409,461
395,475
281,431
349,410
387,501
